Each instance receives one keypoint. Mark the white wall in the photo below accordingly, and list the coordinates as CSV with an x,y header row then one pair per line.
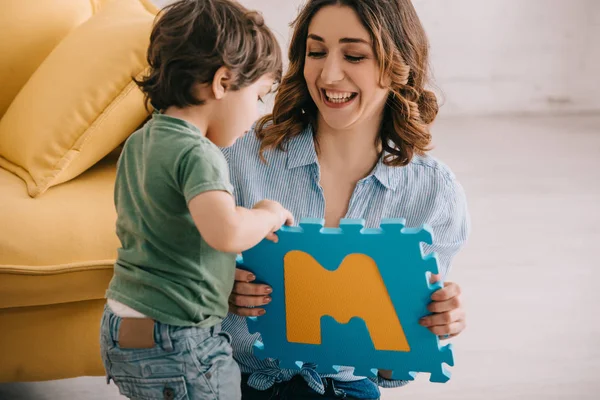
x,y
500,56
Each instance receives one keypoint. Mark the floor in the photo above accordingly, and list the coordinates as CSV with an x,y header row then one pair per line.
x,y
534,189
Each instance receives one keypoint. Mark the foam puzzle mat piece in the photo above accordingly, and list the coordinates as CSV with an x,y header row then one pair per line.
x,y
320,312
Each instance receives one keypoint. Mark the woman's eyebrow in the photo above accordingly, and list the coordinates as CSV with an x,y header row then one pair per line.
x,y
354,40
342,40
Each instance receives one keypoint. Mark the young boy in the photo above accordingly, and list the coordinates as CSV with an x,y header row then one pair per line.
x,y
210,62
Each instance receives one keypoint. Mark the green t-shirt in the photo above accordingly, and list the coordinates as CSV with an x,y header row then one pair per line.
x,y
165,269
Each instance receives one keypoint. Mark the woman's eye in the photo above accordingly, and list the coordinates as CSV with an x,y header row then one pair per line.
x,y
316,54
354,59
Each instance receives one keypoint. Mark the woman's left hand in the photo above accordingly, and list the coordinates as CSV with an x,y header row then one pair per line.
x,y
448,318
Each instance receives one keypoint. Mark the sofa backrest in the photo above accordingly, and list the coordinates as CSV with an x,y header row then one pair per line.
x,y
30,30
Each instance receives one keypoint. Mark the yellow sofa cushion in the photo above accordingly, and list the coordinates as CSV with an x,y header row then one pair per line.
x,y
60,247
30,30
81,102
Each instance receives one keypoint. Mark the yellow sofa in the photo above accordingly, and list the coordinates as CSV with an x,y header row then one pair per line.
x,y
66,103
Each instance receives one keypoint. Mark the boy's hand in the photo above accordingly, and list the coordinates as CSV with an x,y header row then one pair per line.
x,y
281,216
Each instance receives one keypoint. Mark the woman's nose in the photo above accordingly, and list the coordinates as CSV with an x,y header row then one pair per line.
x,y
332,70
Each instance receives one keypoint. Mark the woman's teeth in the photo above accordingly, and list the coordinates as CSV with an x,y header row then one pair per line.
x,y
338,97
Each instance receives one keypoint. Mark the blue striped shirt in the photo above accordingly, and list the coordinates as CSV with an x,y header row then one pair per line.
x,y
424,191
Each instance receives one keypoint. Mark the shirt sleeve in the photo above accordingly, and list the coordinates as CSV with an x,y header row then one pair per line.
x,y
200,169
450,225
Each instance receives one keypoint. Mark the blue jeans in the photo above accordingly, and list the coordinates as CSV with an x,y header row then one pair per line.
x,y
185,363
297,389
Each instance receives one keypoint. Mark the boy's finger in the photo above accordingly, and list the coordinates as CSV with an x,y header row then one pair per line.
x,y
290,219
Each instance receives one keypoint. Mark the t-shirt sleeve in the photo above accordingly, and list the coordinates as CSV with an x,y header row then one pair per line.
x,y
200,169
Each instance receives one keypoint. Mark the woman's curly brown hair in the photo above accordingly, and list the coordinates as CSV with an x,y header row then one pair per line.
x,y
402,50
192,39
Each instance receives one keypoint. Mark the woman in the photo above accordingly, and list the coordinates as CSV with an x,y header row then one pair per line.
x,y
347,139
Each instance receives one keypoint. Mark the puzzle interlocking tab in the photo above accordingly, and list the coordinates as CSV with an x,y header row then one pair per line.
x,y
349,296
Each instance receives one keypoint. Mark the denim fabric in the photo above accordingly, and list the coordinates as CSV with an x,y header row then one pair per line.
x,y
185,363
298,389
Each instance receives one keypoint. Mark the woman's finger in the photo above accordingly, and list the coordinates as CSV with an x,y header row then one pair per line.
x,y
442,319
251,289
248,301
434,278
444,306
453,329
246,312
449,291
244,276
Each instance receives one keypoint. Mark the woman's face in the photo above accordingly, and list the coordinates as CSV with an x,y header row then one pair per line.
x,y
341,69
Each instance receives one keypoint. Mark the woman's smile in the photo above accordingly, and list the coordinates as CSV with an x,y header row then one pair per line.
x,y
337,99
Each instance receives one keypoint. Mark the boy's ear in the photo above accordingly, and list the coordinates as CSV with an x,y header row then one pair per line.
x,y
221,82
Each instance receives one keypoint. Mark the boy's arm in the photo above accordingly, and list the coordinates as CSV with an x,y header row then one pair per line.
x,y
232,229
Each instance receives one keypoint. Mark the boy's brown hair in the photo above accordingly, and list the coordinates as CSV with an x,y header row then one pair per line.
x,y
192,39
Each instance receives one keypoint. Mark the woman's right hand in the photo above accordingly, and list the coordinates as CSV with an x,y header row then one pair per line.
x,y
247,297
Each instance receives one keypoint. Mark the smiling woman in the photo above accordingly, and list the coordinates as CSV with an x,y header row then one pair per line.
x,y
350,71
347,138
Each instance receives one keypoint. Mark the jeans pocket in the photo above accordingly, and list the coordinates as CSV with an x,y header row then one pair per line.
x,y
212,350
152,388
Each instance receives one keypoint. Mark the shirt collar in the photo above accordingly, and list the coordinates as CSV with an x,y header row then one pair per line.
x,y
386,175
301,149
301,152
